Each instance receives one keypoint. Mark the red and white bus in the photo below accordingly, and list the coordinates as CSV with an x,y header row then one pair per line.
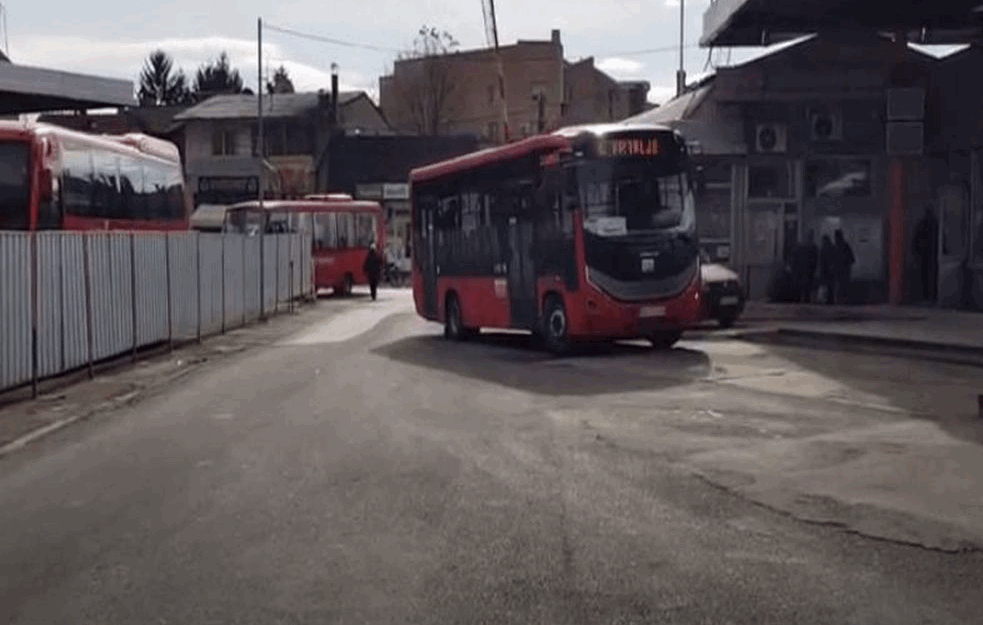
x,y
341,231
584,234
52,178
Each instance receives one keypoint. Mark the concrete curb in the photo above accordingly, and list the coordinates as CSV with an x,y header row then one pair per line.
x,y
942,352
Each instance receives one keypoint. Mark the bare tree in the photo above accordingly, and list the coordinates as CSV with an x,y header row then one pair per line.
x,y
426,86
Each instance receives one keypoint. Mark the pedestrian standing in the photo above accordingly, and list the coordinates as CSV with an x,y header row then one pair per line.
x,y
827,269
926,244
373,269
844,267
805,259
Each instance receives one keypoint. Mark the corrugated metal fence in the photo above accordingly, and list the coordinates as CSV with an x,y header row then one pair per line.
x,y
69,299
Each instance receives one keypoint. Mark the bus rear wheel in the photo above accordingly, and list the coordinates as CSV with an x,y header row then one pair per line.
x,y
665,339
555,327
346,286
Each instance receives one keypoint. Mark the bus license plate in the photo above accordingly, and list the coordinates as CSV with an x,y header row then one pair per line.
x,y
730,300
652,311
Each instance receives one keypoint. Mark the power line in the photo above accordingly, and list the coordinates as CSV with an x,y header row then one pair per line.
x,y
651,51
331,40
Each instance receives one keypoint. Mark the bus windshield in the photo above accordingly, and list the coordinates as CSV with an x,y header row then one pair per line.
x,y
625,196
14,185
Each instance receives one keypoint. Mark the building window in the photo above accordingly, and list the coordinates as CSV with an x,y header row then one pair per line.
x,y
770,181
492,132
838,178
223,142
491,93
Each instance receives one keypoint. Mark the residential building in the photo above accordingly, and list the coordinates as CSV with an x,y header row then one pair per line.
x,y
220,138
460,92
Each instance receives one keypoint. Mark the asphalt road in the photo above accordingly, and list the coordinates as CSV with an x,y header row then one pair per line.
x,y
385,476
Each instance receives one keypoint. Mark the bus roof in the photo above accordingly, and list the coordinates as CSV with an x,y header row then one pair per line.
x,y
539,143
124,144
557,140
313,206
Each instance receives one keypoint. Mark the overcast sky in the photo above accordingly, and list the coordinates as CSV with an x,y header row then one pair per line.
x,y
112,37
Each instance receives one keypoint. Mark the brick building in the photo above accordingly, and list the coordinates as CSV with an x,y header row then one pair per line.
x,y
458,93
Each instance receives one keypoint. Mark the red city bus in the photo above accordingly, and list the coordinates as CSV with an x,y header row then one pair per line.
x,y
341,231
52,178
584,234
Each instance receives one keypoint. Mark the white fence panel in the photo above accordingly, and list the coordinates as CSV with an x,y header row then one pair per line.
x,y
270,269
49,306
234,281
210,275
150,297
101,295
183,258
252,277
15,309
74,316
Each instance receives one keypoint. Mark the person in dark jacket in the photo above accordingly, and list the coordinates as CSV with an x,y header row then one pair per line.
x,y
805,259
373,269
926,244
844,267
827,268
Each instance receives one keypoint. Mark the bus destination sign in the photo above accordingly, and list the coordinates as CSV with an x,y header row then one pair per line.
x,y
629,146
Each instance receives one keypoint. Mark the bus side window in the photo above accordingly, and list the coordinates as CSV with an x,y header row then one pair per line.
x,y
325,231
346,230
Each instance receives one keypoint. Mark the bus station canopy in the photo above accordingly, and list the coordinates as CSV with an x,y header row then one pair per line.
x,y
764,22
25,89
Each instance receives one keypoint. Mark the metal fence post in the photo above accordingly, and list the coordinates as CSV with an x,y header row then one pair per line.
x,y
167,270
276,297
242,240
87,284
198,281
262,274
61,300
290,290
133,293
35,292
223,282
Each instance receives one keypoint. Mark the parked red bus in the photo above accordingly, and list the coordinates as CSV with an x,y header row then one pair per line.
x,y
584,234
52,178
341,231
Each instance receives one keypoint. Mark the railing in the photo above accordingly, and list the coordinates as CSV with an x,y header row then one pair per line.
x,y
70,299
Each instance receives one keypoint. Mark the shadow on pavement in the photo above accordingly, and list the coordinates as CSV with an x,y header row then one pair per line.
x,y
513,360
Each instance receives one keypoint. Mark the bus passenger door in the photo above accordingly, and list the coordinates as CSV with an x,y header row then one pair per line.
x,y
428,264
521,274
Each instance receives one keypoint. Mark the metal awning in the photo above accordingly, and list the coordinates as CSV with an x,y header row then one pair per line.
x,y
763,22
26,89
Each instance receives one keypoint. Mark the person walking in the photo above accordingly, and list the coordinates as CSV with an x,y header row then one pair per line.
x,y
373,269
805,259
926,244
827,268
844,260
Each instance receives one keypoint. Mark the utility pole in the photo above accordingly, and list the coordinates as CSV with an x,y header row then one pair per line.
x,y
681,74
260,139
491,32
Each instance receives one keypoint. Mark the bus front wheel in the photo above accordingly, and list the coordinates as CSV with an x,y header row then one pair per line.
x,y
555,327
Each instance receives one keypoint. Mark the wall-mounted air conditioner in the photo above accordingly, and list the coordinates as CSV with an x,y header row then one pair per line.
x,y
771,138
